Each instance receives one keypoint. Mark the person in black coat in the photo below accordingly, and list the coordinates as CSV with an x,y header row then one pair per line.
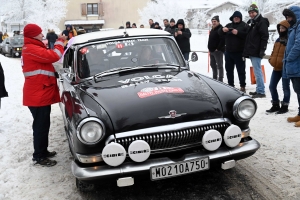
x,y
216,47
51,37
171,27
151,23
1,34
235,35
255,47
182,37
3,92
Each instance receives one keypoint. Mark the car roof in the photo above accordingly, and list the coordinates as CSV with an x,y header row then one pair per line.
x,y
99,35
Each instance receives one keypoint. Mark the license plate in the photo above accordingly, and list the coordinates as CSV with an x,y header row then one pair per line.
x,y
180,168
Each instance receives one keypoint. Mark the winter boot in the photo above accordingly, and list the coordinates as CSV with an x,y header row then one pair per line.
x,y
294,119
275,107
284,108
297,124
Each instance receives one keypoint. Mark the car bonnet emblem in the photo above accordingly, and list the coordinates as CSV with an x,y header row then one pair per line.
x,y
172,114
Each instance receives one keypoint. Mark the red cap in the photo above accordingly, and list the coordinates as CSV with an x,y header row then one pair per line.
x,y
32,30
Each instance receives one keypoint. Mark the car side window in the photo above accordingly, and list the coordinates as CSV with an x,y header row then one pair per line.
x,y
69,62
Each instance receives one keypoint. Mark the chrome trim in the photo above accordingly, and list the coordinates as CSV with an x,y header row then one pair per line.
x,y
88,156
236,106
132,168
165,128
246,132
89,119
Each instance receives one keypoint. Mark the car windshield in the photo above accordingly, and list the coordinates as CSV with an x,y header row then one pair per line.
x,y
100,57
17,40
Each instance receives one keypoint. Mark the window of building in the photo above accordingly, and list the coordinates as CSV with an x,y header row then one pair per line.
x,y
92,9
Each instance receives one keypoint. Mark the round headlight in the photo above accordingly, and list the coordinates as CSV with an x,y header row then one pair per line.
x,y
244,108
90,131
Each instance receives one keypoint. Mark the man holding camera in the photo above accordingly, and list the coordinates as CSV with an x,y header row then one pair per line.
x,y
235,34
182,36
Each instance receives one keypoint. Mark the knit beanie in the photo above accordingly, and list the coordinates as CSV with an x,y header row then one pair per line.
x,y
236,14
31,30
216,18
172,20
253,7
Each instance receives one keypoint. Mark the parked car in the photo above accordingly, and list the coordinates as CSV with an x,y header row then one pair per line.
x,y
12,46
132,109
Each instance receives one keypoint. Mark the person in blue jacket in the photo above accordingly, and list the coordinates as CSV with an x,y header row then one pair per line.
x,y
291,59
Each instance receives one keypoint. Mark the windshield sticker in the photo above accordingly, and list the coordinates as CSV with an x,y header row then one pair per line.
x,y
159,78
143,40
124,41
152,91
101,46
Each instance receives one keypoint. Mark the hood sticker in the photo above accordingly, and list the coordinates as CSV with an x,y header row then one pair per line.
x,y
146,79
151,91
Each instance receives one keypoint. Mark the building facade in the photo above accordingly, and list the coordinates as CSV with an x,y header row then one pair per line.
x,y
93,15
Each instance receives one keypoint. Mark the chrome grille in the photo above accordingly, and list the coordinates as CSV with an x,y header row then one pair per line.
x,y
163,141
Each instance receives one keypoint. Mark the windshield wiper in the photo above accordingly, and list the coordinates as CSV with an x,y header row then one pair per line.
x,y
126,69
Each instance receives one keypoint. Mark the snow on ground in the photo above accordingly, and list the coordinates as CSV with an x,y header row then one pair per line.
x,y
277,161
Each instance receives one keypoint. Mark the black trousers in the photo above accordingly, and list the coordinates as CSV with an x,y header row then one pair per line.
x,y
40,126
231,59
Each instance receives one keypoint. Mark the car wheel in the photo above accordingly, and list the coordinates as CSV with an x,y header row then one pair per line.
x,y
84,187
12,54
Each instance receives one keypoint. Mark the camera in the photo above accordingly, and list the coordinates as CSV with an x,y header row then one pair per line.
x,y
176,29
230,29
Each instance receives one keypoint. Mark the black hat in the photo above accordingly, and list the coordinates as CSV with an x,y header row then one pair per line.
x,y
128,22
180,21
236,14
216,18
253,7
172,20
156,23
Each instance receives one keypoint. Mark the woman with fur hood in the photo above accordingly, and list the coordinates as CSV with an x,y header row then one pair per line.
x,y
276,61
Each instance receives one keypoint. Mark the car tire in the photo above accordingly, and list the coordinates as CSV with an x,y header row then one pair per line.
x,y
12,54
84,187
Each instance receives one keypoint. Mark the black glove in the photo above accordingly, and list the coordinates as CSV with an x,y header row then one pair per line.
x,y
56,75
262,53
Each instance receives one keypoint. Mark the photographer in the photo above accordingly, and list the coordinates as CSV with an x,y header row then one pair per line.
x,y
182,36
276,61
235,34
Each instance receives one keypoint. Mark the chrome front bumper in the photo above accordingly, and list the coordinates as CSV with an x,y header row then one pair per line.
x,y
243,150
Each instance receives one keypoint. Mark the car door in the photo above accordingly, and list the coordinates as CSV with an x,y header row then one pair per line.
x,y
66,89
6,46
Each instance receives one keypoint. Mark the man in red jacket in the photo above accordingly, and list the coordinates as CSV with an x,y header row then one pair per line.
x,y
40,88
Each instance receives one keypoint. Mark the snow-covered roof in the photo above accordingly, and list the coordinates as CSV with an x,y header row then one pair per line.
x,y
115,33
212,8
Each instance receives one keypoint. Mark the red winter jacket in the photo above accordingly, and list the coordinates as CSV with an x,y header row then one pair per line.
x,y
40,87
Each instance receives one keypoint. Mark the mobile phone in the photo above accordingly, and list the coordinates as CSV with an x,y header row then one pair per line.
x,y
230,29
176,29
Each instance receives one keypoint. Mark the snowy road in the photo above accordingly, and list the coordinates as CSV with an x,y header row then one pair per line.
x,y
272,173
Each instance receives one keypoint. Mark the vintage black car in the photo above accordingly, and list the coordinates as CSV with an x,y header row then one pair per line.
x,y
12,46
132,109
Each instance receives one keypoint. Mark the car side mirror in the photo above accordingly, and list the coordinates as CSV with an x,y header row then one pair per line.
x,y
194,57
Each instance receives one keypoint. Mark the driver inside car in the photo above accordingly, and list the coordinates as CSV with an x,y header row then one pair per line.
x,y
148,56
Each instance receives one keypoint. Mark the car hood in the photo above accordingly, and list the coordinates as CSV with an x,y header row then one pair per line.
x,y
148,99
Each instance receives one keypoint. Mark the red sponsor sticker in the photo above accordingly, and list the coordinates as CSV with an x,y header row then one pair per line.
x,y
151,91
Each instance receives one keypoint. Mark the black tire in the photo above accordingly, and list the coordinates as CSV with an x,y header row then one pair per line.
x,y
84,187
12,54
